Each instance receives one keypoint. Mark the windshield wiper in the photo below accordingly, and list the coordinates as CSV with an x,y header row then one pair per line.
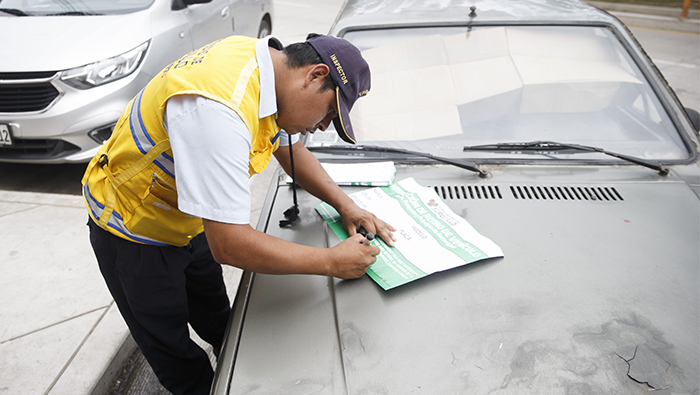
x,y
371,148
73,13
14,11
554,146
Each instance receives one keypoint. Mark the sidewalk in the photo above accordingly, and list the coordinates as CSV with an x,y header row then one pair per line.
x,y
59,328
60,332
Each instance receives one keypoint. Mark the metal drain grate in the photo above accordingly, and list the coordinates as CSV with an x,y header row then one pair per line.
x,y
565,193
468,192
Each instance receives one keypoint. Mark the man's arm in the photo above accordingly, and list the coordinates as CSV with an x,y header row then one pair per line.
x,y
204,190
311,176
246,248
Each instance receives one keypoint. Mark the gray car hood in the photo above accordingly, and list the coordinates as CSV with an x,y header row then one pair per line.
x,y
54,43
597,293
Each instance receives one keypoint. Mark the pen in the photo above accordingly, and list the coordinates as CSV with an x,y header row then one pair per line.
x,y
368,238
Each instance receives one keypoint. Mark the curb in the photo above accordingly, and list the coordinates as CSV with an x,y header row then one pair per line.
x,y
103,385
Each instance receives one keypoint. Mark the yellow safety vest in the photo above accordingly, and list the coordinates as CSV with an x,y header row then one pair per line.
x,y
129,186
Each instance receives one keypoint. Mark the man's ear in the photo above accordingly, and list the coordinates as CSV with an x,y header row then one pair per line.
x,y
317,71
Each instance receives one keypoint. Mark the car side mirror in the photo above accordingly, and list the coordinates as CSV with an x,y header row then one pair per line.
x,y
694,118
182,4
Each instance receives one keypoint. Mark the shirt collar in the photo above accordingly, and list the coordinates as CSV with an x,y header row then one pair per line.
x,y
268,95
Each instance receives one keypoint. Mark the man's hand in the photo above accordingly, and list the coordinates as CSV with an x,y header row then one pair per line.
x,y
249,249
314,179
351,258
355,217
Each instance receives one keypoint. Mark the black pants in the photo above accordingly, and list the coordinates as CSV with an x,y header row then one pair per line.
x,y
158,291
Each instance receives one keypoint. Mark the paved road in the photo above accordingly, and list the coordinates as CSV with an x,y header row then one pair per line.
x,y
677,55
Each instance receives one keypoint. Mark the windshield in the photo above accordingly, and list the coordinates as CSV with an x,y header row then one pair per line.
x,y
437,90
72,7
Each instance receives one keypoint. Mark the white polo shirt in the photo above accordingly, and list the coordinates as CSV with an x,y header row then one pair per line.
x,y
211,147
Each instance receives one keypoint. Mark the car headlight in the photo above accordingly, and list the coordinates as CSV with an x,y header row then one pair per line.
x,y
104,71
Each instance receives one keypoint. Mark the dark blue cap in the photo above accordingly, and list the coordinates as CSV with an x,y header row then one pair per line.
x,y
351,75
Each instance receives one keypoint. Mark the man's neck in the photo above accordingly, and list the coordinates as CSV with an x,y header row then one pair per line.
x,y
284,75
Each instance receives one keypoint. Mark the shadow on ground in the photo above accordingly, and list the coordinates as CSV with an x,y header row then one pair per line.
x,y
62,179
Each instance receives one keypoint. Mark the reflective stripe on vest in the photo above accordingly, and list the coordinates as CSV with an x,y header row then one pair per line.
x,y
274,139
143,140
115,220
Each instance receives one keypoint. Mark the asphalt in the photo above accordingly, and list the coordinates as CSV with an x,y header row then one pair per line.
x,y
60,332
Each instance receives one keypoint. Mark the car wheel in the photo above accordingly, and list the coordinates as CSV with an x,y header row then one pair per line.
x,y
265,29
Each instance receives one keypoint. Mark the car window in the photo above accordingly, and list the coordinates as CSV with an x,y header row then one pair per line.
x,y
437,90
73,7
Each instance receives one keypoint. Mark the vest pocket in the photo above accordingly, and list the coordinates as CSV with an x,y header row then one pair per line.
x,y
158,218
162,190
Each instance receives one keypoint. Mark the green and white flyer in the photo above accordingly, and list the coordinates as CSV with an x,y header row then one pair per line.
x,y
431,237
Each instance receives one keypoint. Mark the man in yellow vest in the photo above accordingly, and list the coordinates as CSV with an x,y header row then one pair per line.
x,y
176,169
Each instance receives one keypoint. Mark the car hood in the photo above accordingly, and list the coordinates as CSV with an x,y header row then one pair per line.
x,y
55,43
597,293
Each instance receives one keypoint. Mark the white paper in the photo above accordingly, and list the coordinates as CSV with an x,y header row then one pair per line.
x,y
430,236
365,173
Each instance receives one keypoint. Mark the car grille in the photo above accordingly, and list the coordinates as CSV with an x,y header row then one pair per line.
x,y
37,149
26,96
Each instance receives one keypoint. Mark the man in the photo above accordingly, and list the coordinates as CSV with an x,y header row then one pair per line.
x,y
209,121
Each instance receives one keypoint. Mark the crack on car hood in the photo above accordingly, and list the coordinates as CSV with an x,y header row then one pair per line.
x,y
627,347
647,365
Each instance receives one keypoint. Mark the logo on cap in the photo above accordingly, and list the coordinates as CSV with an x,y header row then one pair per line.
x,y
339,68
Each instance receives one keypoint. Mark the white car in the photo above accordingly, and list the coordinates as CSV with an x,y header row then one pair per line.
x,y
69,68
544,125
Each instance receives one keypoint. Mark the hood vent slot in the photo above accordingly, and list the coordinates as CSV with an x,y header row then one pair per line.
x,y
565,193
468,192
528,192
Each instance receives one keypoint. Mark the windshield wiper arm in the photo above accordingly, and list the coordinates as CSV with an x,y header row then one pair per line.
x,y
372,148
553,146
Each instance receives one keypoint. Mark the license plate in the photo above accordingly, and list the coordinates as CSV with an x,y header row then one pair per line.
x,y
5,136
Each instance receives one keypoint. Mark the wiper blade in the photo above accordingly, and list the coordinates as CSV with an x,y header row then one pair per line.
x,y
554,146
372,148
14,11
73,13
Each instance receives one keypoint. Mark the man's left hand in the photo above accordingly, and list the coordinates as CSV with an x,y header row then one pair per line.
x,y
355,217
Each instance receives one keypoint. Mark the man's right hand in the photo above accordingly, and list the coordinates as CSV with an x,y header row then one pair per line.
x,y
249,249
351,258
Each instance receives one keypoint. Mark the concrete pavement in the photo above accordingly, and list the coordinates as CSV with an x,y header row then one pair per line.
x,y
58,325
60,332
